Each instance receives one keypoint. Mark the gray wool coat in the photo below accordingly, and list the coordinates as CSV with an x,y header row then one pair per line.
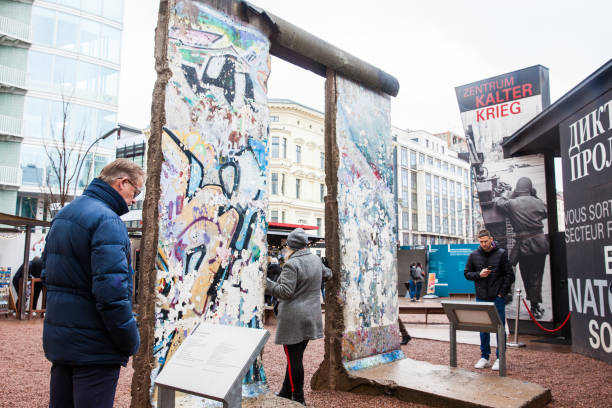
x,y
298,290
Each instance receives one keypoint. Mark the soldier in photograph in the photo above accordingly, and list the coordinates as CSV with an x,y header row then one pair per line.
x,y
526,213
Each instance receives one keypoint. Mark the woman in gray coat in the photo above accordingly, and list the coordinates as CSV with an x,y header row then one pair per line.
x,y
299,311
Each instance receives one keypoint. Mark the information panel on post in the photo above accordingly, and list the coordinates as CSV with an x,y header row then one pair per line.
x,y
213,360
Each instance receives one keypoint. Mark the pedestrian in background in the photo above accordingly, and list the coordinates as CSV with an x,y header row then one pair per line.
x,y
89,329
492,274
34,270
416,282
299,312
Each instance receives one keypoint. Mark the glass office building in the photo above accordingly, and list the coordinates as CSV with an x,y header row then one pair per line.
x,y
59,75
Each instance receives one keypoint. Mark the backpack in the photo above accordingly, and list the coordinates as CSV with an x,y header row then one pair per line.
x,y
414,274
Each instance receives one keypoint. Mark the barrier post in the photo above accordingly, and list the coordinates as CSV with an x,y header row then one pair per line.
x,y
516,343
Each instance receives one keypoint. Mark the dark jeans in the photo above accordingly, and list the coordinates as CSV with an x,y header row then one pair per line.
x,y
485,338
294,374
415,289
532,272
83,386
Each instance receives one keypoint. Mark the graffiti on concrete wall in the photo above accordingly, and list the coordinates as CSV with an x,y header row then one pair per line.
x,y
213,201
366,214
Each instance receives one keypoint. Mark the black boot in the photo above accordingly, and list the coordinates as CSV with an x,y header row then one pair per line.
x,y
283,394
537,310
405,339
299,397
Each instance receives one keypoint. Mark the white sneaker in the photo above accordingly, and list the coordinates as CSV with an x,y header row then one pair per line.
x,y
482,363
495,365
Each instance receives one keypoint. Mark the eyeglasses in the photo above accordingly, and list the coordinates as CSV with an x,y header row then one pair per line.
x,y
137,190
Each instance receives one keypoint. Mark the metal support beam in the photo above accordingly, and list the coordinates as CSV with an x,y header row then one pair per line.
x,y
310,52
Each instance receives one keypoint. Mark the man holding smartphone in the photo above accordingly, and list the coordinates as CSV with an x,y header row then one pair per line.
x,y
489,268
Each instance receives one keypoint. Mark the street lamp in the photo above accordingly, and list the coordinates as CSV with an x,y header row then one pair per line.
x,y
104,136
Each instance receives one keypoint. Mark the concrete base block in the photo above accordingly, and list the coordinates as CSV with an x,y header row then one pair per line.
x,y
443,386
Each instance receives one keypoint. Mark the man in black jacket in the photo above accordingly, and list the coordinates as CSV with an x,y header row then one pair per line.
x,y
492,274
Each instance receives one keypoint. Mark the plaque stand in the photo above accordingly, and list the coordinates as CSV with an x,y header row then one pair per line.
x,y
211,363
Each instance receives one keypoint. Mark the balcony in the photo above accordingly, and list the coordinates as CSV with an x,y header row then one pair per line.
x,y
10,129
14,33
10,177
12,79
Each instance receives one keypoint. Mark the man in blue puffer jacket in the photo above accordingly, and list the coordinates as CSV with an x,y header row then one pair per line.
x,y
90,330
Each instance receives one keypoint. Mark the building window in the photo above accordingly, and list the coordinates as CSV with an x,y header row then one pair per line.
x,y
283,216
298,153
452,206
284,147
421,158
323,160
445,206
451,188
437,223
428,202
452,227
404,178
427,143
274,215
274,185
413,160
445,225
404,157
437,204
415,221
436,184
319,223
405,220
429,223
466,194
298,184
430,160
427,182
413,203
322,192
405,198
274,118
275,147
415,239
406,239
444,187
302,221
438,164
466,177
413,180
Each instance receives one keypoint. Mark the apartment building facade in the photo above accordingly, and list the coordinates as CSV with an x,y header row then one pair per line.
x,y
59,78
433,187
296,177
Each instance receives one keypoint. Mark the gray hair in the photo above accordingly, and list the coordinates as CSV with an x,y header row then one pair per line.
x,y
121,168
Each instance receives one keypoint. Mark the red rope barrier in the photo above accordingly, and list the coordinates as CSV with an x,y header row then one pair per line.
x,y
542,327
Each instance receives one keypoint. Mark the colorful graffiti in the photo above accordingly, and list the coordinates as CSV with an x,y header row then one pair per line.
x,y
367,222
212,206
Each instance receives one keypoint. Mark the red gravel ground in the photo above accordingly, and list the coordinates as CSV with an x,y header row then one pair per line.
x,y
575,380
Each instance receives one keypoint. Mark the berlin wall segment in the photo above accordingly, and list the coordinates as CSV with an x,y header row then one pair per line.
x,y
211,192
363,328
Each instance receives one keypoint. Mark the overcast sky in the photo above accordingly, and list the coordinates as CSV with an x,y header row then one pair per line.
x,y
429,46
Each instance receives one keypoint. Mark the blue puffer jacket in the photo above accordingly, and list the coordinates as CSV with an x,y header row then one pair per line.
x,y
89,317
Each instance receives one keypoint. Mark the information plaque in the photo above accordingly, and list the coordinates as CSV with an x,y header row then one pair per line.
x,y
211,363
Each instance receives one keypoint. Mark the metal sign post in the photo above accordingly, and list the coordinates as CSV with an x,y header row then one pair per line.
x,y
475,316
516,343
